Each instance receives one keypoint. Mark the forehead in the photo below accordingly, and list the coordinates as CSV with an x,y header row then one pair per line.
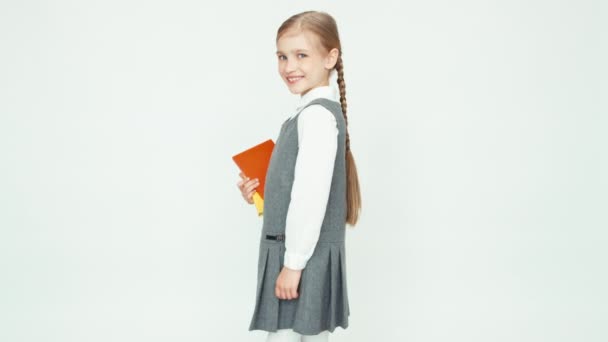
x,y
294,41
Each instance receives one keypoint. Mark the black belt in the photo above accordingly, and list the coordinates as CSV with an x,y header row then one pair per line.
x,y
278,237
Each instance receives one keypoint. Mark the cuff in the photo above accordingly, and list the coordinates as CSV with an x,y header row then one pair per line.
x,y
294,261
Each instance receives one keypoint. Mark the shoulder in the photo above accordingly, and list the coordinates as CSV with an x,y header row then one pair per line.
x,y
315,115
317,122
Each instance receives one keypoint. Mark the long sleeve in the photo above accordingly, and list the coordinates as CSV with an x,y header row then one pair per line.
x,y
317,147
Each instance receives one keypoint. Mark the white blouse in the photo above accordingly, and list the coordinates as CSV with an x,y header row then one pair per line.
x,y
318,143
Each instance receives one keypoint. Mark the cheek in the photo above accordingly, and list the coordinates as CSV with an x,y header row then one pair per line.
x,y
308,67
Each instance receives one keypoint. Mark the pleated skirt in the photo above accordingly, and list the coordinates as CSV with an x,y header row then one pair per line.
x,y
322,302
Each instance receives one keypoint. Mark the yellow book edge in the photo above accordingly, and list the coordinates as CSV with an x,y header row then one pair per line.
x,y
259,203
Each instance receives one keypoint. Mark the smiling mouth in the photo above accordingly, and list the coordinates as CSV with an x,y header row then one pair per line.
x,y
294,79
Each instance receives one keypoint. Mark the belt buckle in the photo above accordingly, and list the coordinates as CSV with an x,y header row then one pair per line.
x,y
278,237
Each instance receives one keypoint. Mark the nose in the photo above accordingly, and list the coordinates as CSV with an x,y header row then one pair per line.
x,y
291,65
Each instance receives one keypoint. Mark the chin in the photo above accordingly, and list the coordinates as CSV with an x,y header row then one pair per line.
x,y
294,90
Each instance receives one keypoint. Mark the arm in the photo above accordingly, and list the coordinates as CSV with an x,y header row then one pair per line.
x,y
318,143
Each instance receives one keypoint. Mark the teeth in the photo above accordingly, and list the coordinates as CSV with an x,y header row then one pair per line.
x,y
291,79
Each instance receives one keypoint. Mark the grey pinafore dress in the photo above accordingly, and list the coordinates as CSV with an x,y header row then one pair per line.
x,y
322,302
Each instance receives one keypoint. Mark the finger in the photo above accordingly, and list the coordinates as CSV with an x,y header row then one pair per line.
x,y
251,188
246,194
242,175
294,293
283,292
277,292
290,294
252,184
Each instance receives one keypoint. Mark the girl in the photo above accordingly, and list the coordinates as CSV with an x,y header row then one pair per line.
x,y
311,192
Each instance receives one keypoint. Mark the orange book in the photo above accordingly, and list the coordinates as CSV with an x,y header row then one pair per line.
x,y
254,162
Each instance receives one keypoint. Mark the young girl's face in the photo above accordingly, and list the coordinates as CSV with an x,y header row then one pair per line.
x,y
303,64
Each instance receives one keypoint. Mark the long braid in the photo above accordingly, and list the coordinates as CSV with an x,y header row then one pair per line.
x,y
353,193
342,87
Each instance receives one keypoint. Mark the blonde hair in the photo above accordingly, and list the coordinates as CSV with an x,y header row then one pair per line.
x,y
325,28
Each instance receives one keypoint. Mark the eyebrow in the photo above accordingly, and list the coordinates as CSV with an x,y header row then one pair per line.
x,y
296,50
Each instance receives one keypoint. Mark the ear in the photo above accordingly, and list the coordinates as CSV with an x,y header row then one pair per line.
x,y
332,58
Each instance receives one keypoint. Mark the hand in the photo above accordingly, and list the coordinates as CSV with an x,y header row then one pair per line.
x,y
287,283
247,187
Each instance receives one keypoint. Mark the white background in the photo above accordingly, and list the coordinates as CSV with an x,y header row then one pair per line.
x,y
479,129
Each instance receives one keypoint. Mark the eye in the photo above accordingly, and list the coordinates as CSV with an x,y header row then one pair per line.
x,y
302,54
281,56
